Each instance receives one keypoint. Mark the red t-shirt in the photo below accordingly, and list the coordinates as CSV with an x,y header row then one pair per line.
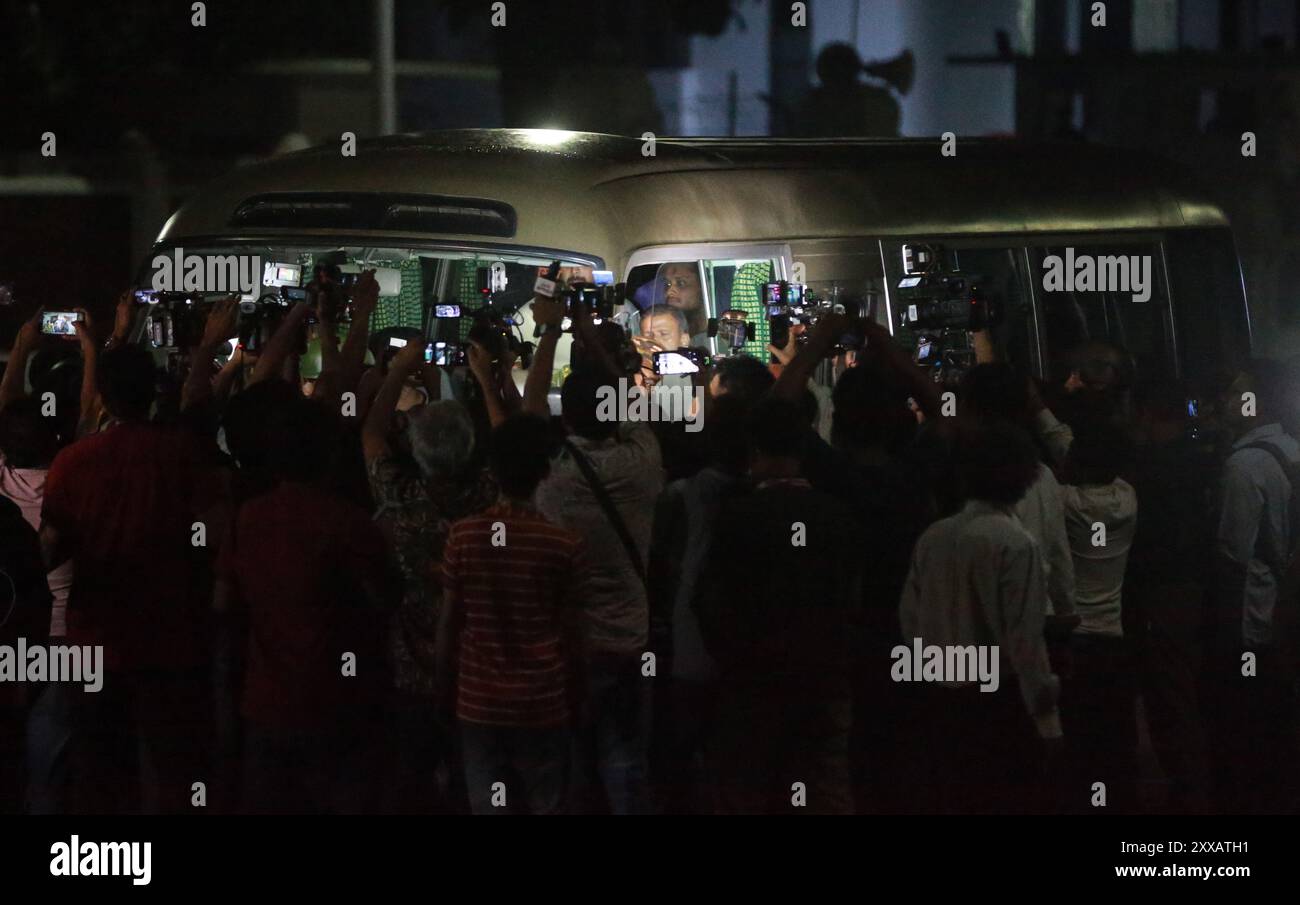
x,y
297,559
513,668
124,503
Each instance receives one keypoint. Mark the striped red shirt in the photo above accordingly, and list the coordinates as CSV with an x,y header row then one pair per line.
x,y
510,572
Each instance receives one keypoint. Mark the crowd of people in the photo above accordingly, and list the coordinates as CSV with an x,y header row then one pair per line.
x,y
354,595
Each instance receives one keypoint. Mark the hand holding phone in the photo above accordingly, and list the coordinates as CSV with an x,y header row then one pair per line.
x,y
445,355
59,323
681,361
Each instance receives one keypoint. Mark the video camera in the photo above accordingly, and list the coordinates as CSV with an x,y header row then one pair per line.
x,y
493,325
732,329
176,319
792,304
942,308
259,318
598,301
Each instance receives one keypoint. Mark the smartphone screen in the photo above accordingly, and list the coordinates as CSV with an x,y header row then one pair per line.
x,y
670,363
445,355
446,310
396,342
147,296
59,323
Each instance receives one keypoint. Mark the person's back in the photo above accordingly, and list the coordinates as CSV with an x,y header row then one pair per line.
x,y
1101,511
775,601
998,393
514,585
1100,560
629,468
514,660
955,594
1098,699
28,444
783,575
305,573
297,559
625,462
124,503
976,586
25,603
1255,741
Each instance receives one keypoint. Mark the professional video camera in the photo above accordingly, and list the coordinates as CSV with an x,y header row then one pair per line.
x,y
942,302
618,346
494,324
176,319
942,309
732,329
260,318
792,304
598,301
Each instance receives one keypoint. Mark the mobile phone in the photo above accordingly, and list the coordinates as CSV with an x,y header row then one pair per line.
x,y
147,296
602,277
445,355
281,275
396,342
59,323
446,310
293,293
682,361
1193,408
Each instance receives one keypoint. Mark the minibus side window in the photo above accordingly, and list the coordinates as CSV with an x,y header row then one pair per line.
x,y
998,270
1002,270
1112,293
1209,303
702,290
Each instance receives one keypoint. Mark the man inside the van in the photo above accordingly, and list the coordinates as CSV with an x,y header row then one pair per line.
x,y
663,329
682,291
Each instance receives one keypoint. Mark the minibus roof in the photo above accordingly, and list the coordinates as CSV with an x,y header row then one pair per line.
x,y
605,196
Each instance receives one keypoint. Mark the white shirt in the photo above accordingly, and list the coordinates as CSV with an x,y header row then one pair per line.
x,y
977,578
1100,559
1042,513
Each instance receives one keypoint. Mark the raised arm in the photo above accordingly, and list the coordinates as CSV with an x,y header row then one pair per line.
x,y
547,313
13,386
352,357
374,432
480,365
797,371
219,327
89,402
280,345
